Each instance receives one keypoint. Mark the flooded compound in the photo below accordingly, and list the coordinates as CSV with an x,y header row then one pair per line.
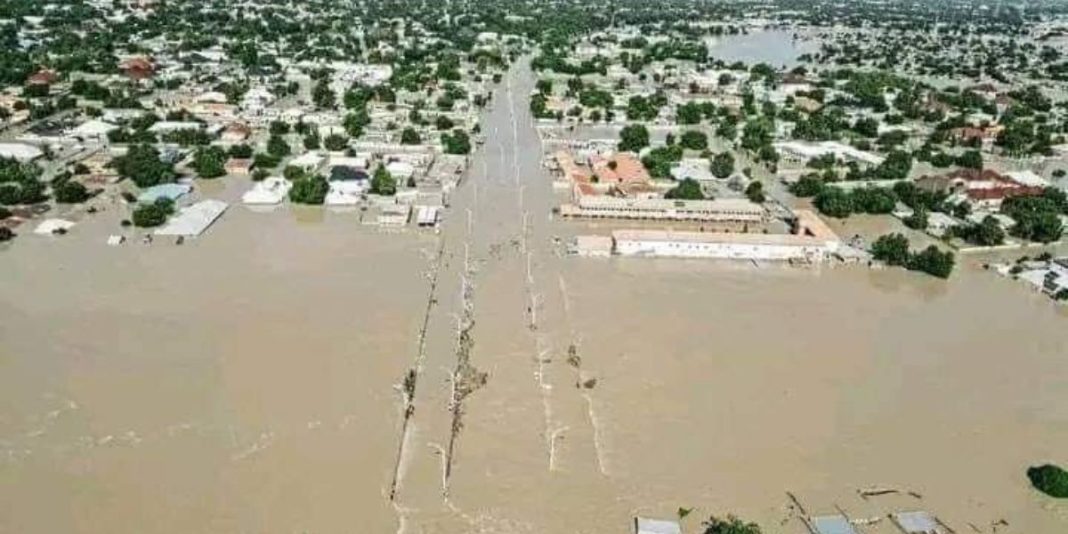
x,y
295,371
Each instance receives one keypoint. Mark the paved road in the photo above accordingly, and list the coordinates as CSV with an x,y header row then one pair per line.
x,y
499,315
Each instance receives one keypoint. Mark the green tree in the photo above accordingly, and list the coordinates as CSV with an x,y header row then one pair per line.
x,y
209,162
918,219
309,190
633,138
730,525
410,137
383,183
278,147
143,166
755,192
70,192
336,142
688,189
323,96
312,141
1049,479
458,142
153,214
834,202
722,165
892,249
694,140
971,159
809,185
932,261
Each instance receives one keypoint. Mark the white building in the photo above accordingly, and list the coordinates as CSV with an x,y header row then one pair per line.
x,y
270,191
20,152
813,242
799,152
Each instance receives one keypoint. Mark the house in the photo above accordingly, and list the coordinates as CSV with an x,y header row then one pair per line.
x,y
270,191
138,68
656,526
92,130
621,168
20,152
239,167
918,523
236,132
43,77
983,188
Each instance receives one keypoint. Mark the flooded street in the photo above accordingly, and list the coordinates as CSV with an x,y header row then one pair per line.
x,y
253,379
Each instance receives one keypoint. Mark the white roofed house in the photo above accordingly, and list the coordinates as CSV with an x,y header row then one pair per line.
x,y
20,152
95,130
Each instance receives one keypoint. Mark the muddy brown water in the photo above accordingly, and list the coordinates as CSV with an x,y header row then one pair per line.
x,y
248,381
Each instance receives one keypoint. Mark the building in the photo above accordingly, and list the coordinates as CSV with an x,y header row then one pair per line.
x,y
238,167
739,211
20,152
918,523
270,191
800,152
656,526
138,68
812,241
984,188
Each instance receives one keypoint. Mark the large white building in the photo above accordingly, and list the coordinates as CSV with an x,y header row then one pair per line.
x,y
812,241
719,210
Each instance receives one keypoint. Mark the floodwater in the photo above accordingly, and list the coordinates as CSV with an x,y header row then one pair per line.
x,y
249,381
777,48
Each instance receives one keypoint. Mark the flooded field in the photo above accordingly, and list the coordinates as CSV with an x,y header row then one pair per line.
x,y
250,380
775,47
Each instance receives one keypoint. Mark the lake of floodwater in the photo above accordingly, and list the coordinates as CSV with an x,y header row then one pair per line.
x,y
775,47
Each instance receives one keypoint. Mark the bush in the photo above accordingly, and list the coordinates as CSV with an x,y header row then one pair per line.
x,y
730,525
311,190
688,189
70,192
154,214
1049,479
933,262
893,249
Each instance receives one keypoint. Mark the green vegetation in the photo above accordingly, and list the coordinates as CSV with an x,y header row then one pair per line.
x,y
70,192
383,183
457,142
688,189
633,138
142,165
893,249
154,214
755,192
730,525
209,162
722,165
410,137
659,160
1037,217
309,190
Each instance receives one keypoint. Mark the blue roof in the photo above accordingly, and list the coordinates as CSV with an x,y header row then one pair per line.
x,y
171,191
832,524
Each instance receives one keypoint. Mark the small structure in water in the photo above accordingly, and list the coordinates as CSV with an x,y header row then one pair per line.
x,y
919,522
832,524
656,526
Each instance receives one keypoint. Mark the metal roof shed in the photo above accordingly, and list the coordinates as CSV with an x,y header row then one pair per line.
x,y
656,526
832,524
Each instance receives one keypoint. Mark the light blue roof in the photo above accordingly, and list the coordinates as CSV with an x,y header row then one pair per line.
x,y
171,191
832,524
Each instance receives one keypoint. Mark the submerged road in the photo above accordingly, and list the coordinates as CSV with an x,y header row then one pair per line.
x,y
497,400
